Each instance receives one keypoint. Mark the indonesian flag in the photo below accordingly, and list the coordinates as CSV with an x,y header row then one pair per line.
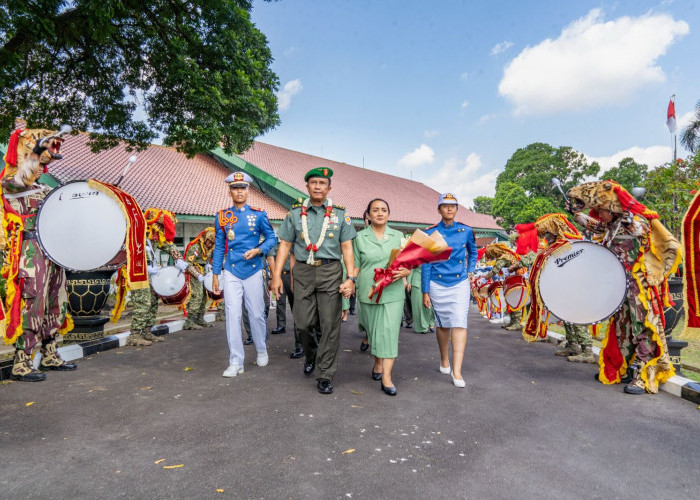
x,y
671,114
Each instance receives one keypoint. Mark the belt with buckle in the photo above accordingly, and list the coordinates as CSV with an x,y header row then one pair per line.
x,y
323,262
29,234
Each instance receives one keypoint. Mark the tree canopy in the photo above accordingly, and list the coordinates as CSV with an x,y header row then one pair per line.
x,y
482,205
199,68
534,166
524,190
628,173
670,188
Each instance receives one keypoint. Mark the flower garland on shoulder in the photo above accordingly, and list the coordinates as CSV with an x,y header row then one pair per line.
x,y
313,248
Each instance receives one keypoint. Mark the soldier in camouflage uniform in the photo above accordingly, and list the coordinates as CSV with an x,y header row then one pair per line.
x,y
578,347
160,231
505,258
36,287
198,256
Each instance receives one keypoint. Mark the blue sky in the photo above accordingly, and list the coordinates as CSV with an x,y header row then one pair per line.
x,y
444,92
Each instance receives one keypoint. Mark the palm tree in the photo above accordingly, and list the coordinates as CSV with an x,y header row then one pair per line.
x,y
690,137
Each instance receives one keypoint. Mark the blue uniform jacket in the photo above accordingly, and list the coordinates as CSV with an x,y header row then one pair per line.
x,y
248,225
461,262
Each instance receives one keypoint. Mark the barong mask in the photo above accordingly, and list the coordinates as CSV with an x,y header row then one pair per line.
x,y
29,151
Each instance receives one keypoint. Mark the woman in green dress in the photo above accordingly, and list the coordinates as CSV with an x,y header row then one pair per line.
x,y
423,317
372,248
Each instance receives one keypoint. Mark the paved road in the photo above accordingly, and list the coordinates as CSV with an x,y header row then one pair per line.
x,y
528,425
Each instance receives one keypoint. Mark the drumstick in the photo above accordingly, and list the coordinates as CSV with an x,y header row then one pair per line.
x,y
557,183
132,160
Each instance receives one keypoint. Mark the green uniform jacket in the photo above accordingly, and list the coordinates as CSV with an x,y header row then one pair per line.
x,y
371,253
339,230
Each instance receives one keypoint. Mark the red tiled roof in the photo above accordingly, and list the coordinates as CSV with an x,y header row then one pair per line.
x,y
487,240
354,187
161,177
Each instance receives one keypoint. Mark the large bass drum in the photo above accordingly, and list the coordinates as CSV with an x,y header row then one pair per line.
x,y
81,229
583,283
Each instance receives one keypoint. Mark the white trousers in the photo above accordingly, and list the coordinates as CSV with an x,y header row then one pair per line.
x,y
251,291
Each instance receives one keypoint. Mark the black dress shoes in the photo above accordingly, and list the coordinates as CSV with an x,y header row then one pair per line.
x,y
351,312
364,346
298,353
248,341
309,368
324,386
376,376
390,391
279,330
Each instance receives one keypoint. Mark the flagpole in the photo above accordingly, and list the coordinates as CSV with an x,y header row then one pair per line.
x,y
675,148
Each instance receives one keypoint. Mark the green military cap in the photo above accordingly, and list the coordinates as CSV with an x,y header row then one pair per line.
x,y
318,172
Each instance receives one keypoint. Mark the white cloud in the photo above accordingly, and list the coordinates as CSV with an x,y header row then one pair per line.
x,y
284,96
464,76
472,163
592,63
290,51
465,105
501,47
485,118
461,179
430,133
652,156
423,155
683,121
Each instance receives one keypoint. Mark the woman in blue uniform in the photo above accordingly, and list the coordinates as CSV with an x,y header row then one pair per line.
x,y
445,286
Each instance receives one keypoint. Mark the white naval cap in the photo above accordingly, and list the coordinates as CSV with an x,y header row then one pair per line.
x,y
447,199
239,179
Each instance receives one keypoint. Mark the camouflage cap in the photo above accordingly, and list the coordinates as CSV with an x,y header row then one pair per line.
x,y
318,172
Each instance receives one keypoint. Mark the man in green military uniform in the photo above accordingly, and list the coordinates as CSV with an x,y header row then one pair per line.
x,y
321,234
198,256
160,232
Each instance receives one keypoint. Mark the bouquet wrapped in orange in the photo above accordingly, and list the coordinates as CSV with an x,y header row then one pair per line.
x,y
420,249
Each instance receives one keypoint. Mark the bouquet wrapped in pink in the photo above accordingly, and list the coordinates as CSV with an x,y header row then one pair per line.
x,y
420,249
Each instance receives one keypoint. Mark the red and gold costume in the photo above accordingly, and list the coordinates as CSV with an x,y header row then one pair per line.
x,y
635,334
36,301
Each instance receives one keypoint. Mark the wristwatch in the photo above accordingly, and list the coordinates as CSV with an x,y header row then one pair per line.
x,y
353,279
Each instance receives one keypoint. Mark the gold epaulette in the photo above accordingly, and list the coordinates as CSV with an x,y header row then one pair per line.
x,y
257,209
341,207
297,205
430,227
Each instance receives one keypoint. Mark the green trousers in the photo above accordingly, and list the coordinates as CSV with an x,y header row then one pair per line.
x,y
145,302
578,334
197,305
317,301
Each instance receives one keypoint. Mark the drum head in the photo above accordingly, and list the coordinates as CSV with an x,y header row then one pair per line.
x,y
80,228
169,281
583,284
208,279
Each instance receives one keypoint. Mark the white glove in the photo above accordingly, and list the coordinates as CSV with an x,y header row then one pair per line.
x,y
207,268
152,270
200,278
181,265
